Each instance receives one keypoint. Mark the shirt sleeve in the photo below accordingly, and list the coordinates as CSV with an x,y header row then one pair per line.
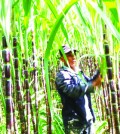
x,y
66,84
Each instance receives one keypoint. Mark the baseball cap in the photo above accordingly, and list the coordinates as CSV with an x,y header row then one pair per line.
x,y
67,49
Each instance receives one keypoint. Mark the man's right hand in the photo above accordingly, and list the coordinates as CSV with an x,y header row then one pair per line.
x,y
97,81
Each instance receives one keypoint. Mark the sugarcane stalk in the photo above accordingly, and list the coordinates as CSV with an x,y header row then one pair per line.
x,y
118,82
15,121
19,98
33,118
107,105
8,88
28,105
112,91
35,86
27,94
48,112
118,96
93,66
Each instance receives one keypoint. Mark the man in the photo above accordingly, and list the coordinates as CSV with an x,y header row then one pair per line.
x,y
75,88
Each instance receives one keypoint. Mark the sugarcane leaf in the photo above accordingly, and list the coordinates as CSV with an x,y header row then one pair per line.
x,y
52,8
86,24
110,4
15,3
25,21
101,127
114,14
106,20
2,99
54,11
5,12
50,42
58,123
26,6
56,26
108,0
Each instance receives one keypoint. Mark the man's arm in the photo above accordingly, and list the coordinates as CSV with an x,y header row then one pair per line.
x,y
95,79
66,84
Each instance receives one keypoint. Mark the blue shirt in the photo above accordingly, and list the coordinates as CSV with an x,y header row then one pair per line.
x,y
75,90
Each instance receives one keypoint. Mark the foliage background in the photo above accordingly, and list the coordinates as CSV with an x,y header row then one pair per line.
x,y
41,27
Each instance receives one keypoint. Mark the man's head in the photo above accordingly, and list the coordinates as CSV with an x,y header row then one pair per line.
x,y
70,55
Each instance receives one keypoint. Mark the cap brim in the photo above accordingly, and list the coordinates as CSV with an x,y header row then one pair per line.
x,y
74,50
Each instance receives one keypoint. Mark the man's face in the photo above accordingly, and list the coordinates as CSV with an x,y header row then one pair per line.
x,y
71,60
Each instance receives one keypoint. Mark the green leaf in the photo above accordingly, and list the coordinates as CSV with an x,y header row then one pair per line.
x,y
101,127
114,14
54,11
108,0
50,42
27,6
106,20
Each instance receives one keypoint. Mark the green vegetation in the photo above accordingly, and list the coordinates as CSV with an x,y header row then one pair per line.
x,y
31,33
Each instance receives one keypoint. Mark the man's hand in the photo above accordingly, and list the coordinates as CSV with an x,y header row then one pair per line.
x,y
97,81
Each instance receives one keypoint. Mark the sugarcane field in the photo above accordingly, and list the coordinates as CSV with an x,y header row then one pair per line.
x,y
60,66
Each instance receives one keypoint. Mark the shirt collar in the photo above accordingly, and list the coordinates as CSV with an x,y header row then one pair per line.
x,y
70,70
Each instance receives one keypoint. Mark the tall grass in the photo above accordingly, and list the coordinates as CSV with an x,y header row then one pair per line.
x,y
41,27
